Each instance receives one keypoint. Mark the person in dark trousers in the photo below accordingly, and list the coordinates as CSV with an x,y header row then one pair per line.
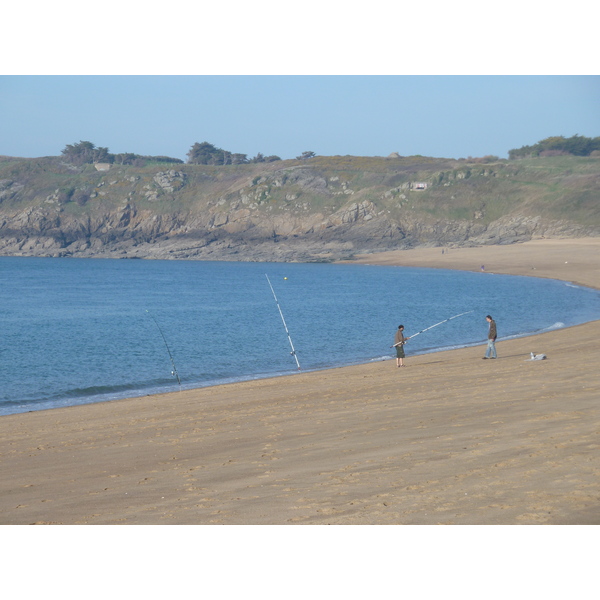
x,y
399,341
492,335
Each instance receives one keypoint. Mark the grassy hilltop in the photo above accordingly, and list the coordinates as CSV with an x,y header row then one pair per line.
x,y
320,208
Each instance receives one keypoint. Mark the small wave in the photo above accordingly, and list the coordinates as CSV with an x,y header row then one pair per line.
x,y
86,395
97,390
557,325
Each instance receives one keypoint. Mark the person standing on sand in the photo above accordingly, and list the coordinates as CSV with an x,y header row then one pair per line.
x,y
399,341
492,334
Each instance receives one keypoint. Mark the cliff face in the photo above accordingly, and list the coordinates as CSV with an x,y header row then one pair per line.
x,y
318,209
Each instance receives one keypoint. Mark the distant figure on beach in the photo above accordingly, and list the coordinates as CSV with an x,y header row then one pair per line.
x,y
483,267
399,341
492,334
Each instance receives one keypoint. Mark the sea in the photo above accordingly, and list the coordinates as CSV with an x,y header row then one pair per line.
x,y
79,331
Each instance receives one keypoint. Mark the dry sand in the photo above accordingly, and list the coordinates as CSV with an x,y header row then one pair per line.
x,y
450,439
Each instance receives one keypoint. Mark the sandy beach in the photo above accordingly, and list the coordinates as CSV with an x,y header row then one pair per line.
x,y
450,439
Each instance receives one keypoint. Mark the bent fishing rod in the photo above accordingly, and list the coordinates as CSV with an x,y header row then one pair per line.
x,y
432,326
174,371
293,352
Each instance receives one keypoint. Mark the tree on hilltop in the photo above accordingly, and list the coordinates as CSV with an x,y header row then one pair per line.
x,y
205,154
306,154
85,153
576,145
209,154
238,159
260,158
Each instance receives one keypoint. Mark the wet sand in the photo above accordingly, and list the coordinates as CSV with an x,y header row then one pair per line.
x,y
449,439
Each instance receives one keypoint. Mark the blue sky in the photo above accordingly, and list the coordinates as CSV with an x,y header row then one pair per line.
x,y
441,116
450,80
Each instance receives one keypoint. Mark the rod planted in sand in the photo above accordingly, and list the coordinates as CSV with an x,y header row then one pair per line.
x,y
293,352
174,371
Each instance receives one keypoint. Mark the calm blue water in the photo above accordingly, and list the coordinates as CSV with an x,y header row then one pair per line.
x,y
80,331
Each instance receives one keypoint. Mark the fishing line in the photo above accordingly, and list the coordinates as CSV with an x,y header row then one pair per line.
x,y
432,326
293,352
174,371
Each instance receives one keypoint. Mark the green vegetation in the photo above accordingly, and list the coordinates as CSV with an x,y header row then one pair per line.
x,y
576,145
351,201
87,153
552,186
208,154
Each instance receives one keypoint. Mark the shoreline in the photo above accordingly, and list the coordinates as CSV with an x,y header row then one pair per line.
x,y
451,439
119,392
573,260
251,378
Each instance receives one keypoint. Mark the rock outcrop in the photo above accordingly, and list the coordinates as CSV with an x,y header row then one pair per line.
x,y
316,210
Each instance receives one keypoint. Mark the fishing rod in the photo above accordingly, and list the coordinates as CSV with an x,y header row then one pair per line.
x,y
174,371
432,326
293,352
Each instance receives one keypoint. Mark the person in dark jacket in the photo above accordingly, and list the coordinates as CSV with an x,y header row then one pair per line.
x,y
492,335
399,341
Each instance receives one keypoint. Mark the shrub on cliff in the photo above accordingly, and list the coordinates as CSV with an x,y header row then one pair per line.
x,y
85,153
576,145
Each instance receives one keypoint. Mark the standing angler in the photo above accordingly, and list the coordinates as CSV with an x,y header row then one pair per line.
x,y
492,334
399,341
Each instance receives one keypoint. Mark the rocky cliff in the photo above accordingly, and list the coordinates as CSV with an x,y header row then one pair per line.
x,y
321,209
